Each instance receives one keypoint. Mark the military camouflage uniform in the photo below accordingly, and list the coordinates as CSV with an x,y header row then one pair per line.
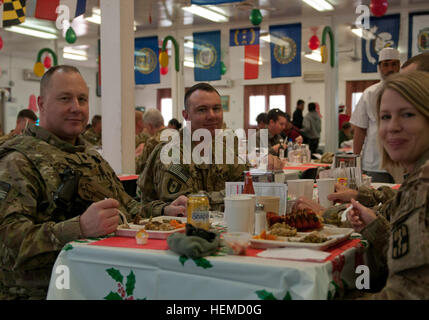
x,y
92,137
150,144
166,182
7,137
272,141
33,226
142,138
399,238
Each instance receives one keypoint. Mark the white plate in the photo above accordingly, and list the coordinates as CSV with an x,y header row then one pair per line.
x,y
334,235
153,234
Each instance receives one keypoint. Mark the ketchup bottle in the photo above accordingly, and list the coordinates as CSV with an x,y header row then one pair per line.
x,y
248,184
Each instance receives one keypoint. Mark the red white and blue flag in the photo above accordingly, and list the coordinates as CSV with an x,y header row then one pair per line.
x,y
47,9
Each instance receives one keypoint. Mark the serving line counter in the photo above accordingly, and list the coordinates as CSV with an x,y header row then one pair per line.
x,y
117,268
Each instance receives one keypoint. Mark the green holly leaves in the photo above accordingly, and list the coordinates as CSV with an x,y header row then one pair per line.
x,y
121,294
200,262
265,295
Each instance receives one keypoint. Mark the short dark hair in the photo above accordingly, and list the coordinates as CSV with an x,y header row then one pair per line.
x,y
48,74
311,106
27,113
174,122
421,60
199,86
299,102
274,115
262,117
95,120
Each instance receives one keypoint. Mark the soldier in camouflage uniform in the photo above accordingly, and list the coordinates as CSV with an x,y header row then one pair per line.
x,y
93,134
398,232
141,134
161,183
276,124
53,189
154,123
25,117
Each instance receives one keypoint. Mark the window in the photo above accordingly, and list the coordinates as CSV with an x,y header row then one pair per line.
x,y
278,101
167,109
355,99
354,90
256,106
262,98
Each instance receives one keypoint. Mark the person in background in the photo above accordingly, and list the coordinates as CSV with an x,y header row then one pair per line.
x,y
276,124
93,134
346,133
342,116
54,188
291,132
141,134
154,122
262,121
312,127
297,117
364,118
174,124
25,117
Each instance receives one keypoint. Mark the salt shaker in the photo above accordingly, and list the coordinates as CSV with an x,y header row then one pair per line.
x,y
260,218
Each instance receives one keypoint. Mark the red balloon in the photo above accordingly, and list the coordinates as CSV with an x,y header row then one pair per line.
x,y
1,43
47,62
379,7
164,70
313,43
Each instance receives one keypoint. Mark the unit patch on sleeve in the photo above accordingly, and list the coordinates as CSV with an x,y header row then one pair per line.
x,y
4,189
400,242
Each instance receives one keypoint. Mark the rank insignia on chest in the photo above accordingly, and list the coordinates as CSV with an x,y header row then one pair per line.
x,y
400,241
173,186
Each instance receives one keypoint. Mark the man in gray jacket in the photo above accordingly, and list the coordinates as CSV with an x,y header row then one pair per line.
x,y
312,127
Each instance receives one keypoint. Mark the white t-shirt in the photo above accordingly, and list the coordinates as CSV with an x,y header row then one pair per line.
x,y
365,116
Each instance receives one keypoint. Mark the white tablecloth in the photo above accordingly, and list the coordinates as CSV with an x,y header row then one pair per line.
x,y
84,271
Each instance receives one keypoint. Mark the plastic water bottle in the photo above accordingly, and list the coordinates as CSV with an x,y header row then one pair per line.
x,y
281,150
289,149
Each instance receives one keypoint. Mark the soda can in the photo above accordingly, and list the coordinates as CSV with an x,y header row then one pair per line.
x,y
198,211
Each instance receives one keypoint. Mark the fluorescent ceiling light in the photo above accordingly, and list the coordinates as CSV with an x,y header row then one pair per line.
x,y
209,13
74,54
314,55
273,39
320,5
32,32
363,33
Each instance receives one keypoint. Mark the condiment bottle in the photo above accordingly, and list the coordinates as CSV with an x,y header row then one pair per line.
x,y
260,218
248,184
342,178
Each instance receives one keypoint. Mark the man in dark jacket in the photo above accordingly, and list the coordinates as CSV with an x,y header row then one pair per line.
x,y
297,117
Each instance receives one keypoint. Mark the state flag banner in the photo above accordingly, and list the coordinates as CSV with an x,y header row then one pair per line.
x,y
418,33
243,37
207,56
47,9
146,65
13,12
386,32
251,62
285,47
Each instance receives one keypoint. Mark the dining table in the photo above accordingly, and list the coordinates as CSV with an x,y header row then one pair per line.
x,y
117,268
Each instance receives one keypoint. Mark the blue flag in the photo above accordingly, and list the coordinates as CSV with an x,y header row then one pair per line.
x,y
386,30
146,66
418,33
243,37
204,2
207,56
285,45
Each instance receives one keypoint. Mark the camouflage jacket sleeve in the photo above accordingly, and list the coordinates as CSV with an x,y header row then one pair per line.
x,y
372,197
29,238
147,150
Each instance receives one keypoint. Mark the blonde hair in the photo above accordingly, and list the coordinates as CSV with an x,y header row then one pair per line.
x,y
413,86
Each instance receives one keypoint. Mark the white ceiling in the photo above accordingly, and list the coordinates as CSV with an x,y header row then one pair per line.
x,y
167,14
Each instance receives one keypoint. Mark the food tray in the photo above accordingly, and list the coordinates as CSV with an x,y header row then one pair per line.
x,y
334,235
153,234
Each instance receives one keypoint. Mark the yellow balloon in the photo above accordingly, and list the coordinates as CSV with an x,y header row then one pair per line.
x,y
39,69
163,59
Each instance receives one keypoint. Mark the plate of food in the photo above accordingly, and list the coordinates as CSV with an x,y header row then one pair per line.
x,y
157,228
282,235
